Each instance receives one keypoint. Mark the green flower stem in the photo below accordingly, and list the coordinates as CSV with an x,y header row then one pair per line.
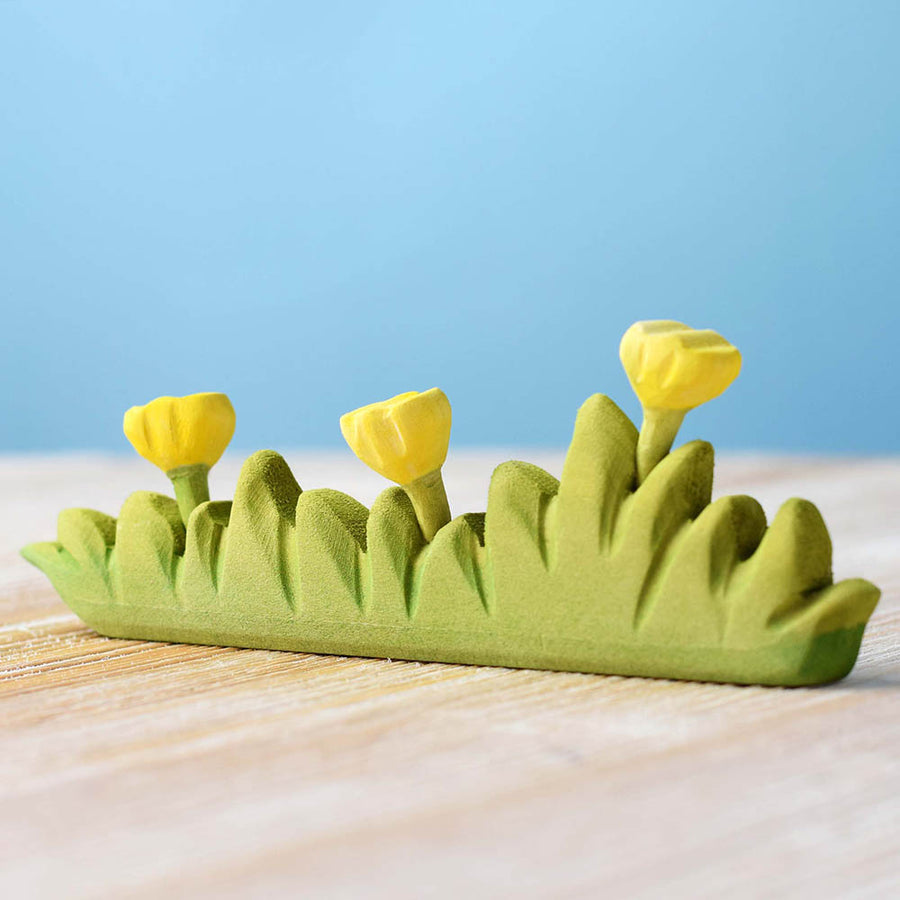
x,y
429,500
658,432
191,487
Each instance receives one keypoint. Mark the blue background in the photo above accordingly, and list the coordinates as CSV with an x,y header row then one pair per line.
x,y
315,205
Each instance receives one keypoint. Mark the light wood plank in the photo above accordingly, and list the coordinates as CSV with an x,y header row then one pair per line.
x,y
137,769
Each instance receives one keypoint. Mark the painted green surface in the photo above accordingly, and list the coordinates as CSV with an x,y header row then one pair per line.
x,y
583,574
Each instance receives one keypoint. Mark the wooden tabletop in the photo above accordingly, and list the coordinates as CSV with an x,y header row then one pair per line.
x,y
134,769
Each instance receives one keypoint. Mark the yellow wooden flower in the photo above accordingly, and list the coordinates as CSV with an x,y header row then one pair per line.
x,y
185,437
405,439
673,366
181,431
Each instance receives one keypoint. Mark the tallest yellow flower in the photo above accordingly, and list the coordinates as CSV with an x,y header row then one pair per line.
x,y
185,437
673,368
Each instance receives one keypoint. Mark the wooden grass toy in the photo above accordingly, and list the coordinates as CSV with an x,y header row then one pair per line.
x,y
623,566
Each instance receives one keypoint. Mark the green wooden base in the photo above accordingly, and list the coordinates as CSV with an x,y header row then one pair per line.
x,y
826,658
588,574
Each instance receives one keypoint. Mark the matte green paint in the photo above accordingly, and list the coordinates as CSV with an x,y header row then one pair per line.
x,y
584,574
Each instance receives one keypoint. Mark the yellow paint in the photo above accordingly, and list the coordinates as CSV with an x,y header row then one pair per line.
x,y
404,438
181,431
672,366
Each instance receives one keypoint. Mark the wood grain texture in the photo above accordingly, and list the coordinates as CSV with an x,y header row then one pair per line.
x,y
132,769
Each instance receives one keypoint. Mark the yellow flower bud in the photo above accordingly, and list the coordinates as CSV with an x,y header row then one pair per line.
x,y
403,438
672,366
173,432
